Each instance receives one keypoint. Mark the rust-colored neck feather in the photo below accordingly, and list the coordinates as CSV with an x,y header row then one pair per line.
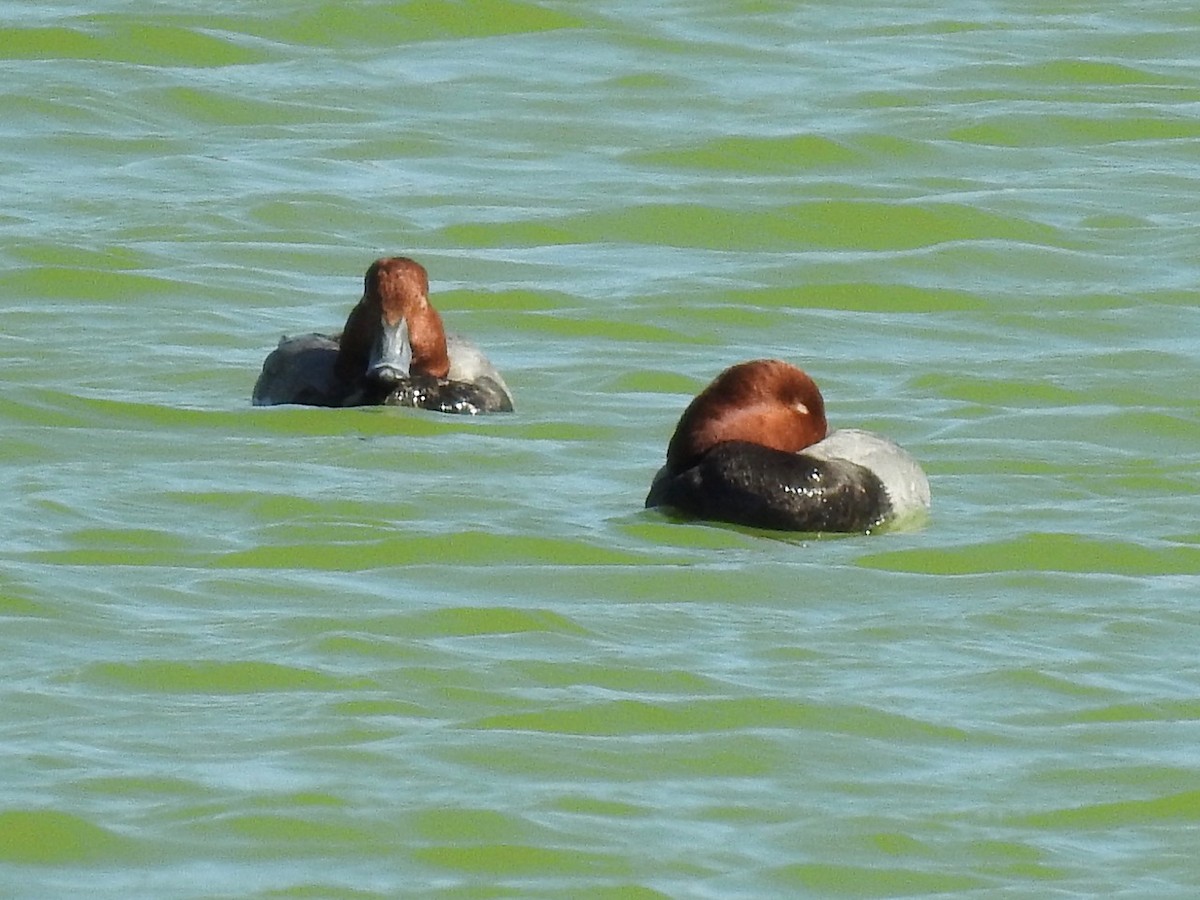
x,y
394,288
766,401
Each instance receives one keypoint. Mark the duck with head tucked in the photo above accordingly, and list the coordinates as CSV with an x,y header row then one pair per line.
x,y
393,351
753,448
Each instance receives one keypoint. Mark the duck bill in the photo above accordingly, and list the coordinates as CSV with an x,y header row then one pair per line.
x,y
392,355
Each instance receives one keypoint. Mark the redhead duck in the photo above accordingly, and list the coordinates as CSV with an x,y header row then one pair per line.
x,y
393,351
752,449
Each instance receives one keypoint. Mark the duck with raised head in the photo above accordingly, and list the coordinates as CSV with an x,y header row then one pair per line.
x,y
753,448
393,351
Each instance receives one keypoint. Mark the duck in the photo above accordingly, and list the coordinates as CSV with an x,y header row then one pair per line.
x,y
393,351
754,449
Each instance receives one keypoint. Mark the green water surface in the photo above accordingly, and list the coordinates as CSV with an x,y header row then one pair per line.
x,y
297,652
